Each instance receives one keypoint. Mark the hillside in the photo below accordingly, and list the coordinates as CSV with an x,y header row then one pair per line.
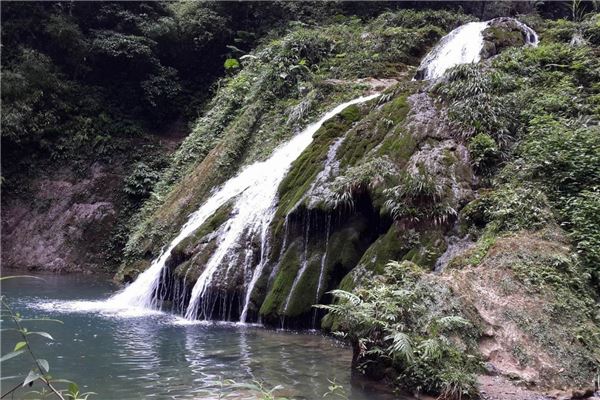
x,y
447,226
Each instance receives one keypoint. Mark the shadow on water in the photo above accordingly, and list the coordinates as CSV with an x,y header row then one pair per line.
x,y
162,357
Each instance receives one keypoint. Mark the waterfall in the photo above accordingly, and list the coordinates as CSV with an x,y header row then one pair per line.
x,y
463,45
257,273
256,205
254,192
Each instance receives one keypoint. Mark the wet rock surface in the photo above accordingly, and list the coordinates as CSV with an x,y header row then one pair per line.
x,y
63,222
503,33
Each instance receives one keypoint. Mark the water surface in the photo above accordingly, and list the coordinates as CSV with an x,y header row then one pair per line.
x,y
157,356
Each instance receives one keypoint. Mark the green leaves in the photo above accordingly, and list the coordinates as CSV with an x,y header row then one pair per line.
x,y
44,365
401,318
231,64
401,345
19,346
42,334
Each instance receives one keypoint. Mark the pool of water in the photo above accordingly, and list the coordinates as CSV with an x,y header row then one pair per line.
x,y
159,356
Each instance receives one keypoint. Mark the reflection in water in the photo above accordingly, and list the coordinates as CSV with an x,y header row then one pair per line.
x,y
158,356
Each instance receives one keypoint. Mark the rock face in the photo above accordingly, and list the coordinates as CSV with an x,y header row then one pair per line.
x,y
527,325
63,221
503,33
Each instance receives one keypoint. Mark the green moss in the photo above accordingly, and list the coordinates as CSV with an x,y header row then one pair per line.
x,y
371,131
310,163
303,297
286,273
503,37
210,225
351,113
345,247
475,255
393,245
430,247
131,271
399,146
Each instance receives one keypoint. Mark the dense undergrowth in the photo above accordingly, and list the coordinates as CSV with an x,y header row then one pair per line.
x,y
540,155
396,320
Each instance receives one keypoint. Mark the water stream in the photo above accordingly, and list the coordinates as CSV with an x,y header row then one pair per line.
x,y
463,45
163,356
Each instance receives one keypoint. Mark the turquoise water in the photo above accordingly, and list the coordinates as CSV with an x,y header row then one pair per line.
x,y
159,357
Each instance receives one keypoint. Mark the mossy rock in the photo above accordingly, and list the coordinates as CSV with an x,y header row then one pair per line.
x,y
430,247
185,249
304,294
393,245
535,297
372,130
286,272
501,34
129,272
306,167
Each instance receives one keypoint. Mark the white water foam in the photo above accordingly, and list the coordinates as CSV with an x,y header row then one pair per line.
x,y
463,45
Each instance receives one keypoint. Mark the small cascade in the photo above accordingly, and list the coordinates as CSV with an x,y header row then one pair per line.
x,y
463,45
320,282
531,37
257,272
143,292
323,258
303,267
253,192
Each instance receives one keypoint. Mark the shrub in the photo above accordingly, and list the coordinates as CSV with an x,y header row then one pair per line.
x,y
140,183
401,318
484,152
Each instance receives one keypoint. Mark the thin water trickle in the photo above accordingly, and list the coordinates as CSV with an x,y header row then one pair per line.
x,y
303,266
322,271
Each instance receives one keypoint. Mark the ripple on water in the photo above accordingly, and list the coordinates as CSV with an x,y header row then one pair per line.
x,y
129,353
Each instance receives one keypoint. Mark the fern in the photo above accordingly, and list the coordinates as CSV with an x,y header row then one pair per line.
x,y
401,346
431,349
347,296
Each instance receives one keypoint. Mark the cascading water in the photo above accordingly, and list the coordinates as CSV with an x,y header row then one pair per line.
x,y
462,46
254,192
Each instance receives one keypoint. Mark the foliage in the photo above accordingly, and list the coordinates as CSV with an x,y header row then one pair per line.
x,y
141,181
40,367
398,318
419,197
484,152
231,64
248,116
357,179
547,145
